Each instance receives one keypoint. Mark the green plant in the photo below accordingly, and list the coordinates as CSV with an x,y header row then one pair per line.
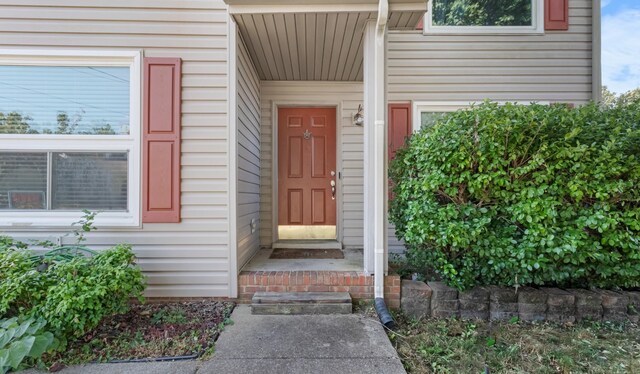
x,y
86,224
84,290
516,195
72,287
23,339
21,284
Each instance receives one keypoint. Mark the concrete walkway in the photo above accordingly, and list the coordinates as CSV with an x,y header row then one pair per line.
x,y
283,344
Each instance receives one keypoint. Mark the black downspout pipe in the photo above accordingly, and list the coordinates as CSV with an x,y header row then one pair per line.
x,y
383,313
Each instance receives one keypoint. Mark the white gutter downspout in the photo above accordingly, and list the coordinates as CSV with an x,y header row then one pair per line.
x,y
375,154
379,175
379,164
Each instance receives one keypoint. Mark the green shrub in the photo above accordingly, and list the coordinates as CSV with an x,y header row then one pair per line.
x,y
86,289
21,340
518,194
19,278
70,290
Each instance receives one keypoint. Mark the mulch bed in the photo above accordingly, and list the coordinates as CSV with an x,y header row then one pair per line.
x,y
301,254
151,331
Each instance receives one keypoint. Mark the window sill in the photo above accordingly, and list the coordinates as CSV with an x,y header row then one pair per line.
x,y
480,31
56,220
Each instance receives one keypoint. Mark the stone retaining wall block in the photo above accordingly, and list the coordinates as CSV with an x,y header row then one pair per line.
x,y
633,309
532,304
560,306
588,305
444,300
415,299
503,303
615,305
474,304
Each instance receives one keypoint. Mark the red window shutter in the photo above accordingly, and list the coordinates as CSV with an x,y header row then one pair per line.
x,y
399,127
161,140
556,14
399,131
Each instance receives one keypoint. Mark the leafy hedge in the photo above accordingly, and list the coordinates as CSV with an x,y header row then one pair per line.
x,y
524,194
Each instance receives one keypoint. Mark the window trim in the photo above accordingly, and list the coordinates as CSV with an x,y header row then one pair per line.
x,y
131,143
537,27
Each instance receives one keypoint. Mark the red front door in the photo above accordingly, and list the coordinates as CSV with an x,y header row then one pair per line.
x,y
307,172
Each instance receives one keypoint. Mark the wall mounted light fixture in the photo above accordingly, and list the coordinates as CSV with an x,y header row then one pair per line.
x,y
358,118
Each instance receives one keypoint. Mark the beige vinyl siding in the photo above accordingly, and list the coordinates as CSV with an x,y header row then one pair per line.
x,y
394,245
191,258
551,67
248,137
350,148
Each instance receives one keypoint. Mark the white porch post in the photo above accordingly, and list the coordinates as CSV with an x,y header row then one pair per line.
x,y
375,172
233,158
369,127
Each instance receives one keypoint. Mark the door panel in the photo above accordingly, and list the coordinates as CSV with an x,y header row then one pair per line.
x,y
295,157
295,203
318,206
306,158
319,157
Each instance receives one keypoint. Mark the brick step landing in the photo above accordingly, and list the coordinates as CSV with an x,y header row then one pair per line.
x,y
301,303
357,284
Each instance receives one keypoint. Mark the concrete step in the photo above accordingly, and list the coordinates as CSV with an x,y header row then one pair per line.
x,y
301,303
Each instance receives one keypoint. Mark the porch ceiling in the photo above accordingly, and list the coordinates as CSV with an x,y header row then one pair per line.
x,y
312,46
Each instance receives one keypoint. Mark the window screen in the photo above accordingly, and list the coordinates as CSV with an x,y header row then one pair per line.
x,y
23,181
94,181
78,180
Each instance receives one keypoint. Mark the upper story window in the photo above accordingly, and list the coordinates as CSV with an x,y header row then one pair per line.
x,y
484,17
69,137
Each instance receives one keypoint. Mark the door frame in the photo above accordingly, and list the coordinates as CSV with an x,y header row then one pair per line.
x,y
275,106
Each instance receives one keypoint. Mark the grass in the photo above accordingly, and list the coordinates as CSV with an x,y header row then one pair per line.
x,y
454,346
150,331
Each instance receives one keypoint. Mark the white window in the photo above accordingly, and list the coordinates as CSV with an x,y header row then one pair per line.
x,y
69,137
427,113
484,17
